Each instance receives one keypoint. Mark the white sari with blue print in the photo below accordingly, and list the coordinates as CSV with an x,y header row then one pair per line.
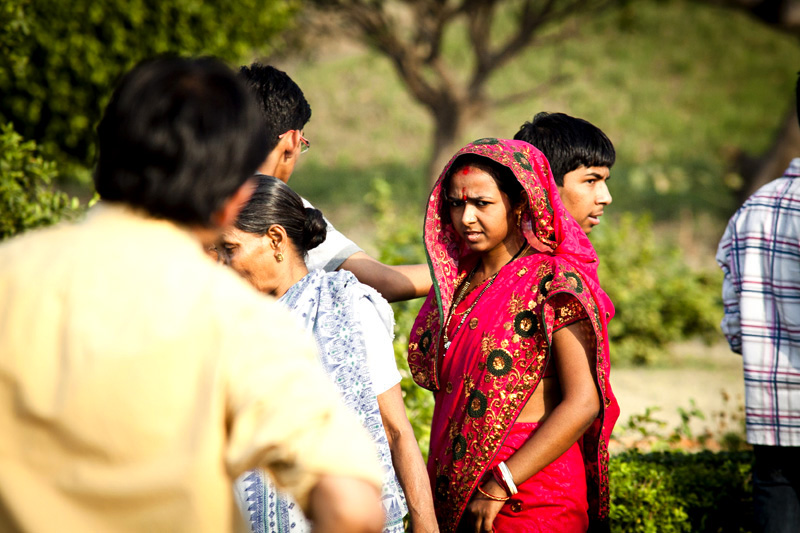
x,y
326,304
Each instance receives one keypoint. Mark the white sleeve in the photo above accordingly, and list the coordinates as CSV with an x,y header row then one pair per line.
x,y
380,352
330,255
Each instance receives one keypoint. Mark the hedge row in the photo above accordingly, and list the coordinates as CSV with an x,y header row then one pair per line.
x,y
675,491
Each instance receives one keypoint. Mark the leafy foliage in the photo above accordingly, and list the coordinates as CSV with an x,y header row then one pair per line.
x,y
646,432
400,243
659,299
27,199
673,491
12,31
59,60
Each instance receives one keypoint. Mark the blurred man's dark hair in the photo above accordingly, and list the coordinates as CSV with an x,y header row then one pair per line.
x,y
178,138
283,105
568,143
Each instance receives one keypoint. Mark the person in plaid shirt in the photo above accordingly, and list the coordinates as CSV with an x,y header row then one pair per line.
x,y
760,257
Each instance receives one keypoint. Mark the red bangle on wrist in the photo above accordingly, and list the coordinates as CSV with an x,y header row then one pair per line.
x,y
492,496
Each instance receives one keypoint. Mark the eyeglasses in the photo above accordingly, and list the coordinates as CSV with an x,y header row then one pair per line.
x,y
305,144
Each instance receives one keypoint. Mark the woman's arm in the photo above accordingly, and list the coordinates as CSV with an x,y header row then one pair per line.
x,y
573,349
407,460
406,457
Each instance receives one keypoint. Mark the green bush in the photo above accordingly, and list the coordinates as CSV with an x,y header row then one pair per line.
x,y
671,491
659,299
27,199
63,58
399,241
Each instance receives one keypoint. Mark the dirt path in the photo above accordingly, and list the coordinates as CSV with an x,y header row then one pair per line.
x,y
706,374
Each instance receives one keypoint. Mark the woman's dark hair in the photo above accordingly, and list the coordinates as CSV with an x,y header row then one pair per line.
x,y
273,202
178,138
503,176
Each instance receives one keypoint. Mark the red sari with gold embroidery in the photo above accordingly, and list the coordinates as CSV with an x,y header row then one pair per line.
x,y
499,354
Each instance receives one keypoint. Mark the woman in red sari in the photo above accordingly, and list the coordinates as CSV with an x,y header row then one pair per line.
x,y
513,342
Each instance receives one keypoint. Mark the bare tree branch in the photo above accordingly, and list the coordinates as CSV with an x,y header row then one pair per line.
x,y
514,98
378,29
532,18
410,34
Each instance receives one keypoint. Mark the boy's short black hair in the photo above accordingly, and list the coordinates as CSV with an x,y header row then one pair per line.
x,y
568,143
178,138
283,105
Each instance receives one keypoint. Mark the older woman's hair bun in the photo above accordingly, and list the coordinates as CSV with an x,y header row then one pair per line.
x,y
273,202
315,229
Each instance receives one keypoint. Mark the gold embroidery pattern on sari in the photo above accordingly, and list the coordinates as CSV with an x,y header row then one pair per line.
x,y
422,354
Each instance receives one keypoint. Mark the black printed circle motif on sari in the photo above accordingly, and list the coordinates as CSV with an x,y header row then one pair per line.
x,y
486,140
476,404
459,447
578,282
442,488
543,290
523,161
499,362
525,324
425,341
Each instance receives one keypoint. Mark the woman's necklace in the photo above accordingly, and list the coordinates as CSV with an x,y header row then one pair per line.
x,y
463,292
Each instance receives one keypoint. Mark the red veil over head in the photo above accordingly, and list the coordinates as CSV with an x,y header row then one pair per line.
x,y
551,231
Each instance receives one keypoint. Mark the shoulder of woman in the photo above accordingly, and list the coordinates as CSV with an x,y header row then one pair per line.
x,y
378,304
348,286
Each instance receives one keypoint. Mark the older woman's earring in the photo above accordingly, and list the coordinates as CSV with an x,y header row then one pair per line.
x,y
279,257
519,219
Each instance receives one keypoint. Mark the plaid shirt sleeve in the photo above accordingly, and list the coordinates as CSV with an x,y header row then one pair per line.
x,y
731,322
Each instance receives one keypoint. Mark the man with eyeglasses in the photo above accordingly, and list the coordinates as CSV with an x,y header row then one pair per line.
x,y
286,112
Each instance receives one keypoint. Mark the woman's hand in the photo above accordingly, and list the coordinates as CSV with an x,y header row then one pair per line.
x,y
482,510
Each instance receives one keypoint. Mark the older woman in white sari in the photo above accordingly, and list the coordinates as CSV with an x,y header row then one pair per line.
x,y
353,326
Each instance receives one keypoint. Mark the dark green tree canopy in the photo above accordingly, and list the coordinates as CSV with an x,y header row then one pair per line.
x,y
59,60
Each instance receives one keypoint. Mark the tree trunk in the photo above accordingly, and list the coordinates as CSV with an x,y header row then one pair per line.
x,y
759,170
448,119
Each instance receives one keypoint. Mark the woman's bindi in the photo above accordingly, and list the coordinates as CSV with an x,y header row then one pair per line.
x,y
464,194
